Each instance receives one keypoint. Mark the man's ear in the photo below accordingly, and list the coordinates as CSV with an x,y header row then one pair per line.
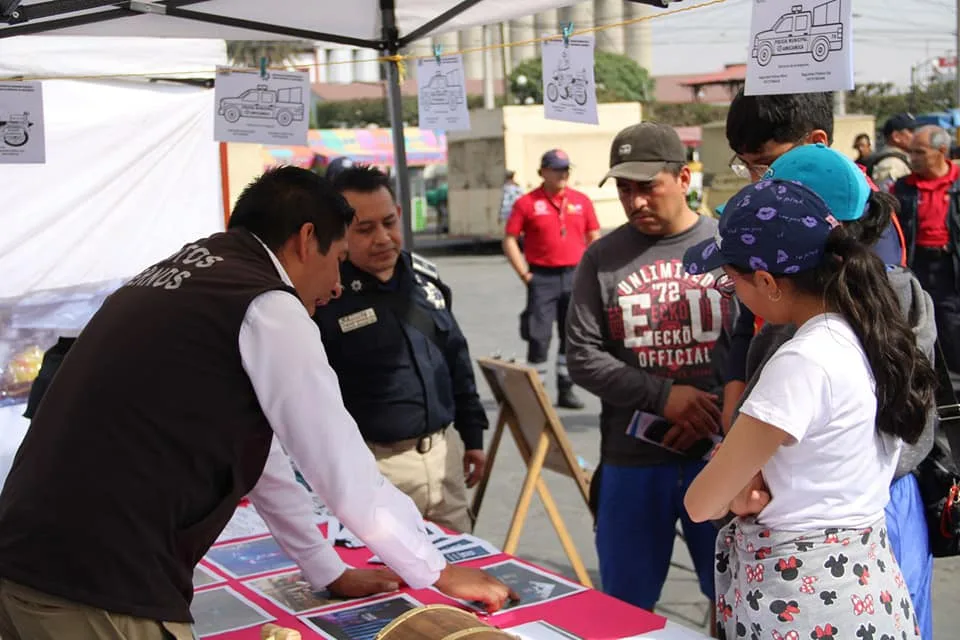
x,y
684,177
306,240
818,136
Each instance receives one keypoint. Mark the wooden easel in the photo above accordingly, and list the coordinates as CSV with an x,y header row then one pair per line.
x,y
525,409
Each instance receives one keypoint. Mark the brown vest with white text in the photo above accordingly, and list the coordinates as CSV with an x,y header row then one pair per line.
x,y
148,436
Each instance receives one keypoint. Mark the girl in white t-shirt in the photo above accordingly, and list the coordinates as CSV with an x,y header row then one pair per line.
x,y
823,426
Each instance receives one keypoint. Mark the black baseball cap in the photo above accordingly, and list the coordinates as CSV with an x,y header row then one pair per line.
x,y
555,159
899,122
643,150
337,165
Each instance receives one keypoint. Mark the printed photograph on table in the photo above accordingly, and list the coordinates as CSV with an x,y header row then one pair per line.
x,y
245,523
203,577
466,547
293,593
458,549
533,585
250,558
221,610
362,621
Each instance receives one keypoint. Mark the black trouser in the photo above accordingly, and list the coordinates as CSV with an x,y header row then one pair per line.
x,y
936,272
548,296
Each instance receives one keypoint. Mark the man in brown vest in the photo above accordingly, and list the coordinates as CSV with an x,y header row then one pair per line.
x,y
171,406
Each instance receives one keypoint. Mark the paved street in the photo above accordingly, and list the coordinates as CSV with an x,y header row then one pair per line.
x,y
487,300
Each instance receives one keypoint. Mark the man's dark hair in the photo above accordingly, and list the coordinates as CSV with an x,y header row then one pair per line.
x,y
755,120
277,204
363,178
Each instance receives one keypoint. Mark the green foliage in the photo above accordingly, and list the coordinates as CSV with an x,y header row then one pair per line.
x,y
685,114
883,100
619,79
247,53
352,114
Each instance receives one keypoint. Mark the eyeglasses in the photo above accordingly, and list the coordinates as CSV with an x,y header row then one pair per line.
x,y
747,171
726,285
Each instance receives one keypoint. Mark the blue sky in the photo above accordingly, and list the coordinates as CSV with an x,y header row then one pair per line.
x,y
889,37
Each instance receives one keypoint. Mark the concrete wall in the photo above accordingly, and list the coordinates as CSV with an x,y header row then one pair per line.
x,y
515,138
244,165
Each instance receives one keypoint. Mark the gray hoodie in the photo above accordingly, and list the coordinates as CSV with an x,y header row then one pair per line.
x,y
916,305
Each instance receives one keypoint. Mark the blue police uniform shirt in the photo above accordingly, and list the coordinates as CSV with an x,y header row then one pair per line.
x,y
398,382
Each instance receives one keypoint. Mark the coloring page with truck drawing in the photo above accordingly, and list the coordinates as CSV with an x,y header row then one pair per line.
x,y
269,108
800,46
442,94
22,139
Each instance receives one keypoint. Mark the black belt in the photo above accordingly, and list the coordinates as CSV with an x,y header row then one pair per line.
x,y
423,444
934,252
548,270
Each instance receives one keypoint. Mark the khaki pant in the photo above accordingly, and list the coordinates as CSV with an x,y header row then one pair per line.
x,y
28,614
434,480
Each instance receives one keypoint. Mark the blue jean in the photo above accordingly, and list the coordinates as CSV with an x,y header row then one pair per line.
x,y
907,532
636,526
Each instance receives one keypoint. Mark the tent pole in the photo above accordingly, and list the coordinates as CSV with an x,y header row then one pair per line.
x,y
395,105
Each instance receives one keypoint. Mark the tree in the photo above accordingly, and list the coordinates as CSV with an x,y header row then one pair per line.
x,y
350,114
247,53
685,114
618,78
883,100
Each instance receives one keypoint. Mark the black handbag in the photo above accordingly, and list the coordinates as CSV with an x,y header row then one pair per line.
x,y
939,473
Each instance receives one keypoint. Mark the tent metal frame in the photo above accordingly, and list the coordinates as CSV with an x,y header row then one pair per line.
x,y
59,14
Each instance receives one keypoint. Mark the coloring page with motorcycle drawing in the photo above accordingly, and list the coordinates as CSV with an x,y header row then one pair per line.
x,y
569,89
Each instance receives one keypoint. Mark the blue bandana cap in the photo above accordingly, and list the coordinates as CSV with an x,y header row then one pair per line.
x,y
777,226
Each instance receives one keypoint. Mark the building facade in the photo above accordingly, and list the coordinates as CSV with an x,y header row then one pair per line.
x,y
345,65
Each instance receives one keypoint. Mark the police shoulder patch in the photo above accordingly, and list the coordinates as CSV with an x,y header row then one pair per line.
x,y
423,266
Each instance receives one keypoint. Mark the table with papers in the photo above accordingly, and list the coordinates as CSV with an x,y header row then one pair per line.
x,y
246,581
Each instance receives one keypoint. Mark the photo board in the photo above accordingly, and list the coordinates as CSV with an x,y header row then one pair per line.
x,y
526,411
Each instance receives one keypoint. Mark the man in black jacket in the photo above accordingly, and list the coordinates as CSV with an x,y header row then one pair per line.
x,y
402,362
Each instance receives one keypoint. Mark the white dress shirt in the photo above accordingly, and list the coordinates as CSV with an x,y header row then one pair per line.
x,y
283,354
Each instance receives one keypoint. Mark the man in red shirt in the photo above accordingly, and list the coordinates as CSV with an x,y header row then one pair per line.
x,y
930,214
556,223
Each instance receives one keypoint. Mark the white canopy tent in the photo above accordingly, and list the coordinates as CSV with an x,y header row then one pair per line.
x,y
386,26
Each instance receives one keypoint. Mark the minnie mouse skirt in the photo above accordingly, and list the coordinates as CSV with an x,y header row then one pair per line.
x,y
828,584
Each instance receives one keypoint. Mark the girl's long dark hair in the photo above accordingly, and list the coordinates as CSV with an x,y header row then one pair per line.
x,y
854,283
869,228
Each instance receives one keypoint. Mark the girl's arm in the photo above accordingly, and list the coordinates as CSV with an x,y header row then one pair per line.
x,y
745,450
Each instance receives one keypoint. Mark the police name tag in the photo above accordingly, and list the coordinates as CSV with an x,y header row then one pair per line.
x,y
357,320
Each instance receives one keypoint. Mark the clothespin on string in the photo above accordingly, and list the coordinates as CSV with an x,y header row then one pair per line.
x,y
566,30
263,67
437,50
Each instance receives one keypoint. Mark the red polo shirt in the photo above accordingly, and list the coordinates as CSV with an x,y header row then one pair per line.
x,y
554,229
933,205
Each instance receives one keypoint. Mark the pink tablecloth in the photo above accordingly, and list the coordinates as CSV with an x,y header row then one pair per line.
x,y
589,614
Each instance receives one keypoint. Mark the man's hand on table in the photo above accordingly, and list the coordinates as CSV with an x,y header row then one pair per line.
x,y
474,585
359,583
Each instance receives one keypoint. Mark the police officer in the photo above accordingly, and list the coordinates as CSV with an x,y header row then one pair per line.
x,y
557,223
402,362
